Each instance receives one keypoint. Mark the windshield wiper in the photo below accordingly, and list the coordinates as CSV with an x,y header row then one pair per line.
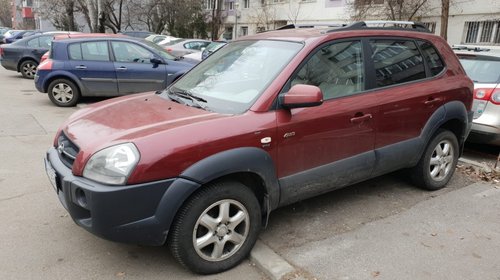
x,y
195,100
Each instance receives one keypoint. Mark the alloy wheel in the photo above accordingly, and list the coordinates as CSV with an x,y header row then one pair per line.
x,y
221,230
441,161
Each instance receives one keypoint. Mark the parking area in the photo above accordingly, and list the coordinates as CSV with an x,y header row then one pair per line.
x,y
360,232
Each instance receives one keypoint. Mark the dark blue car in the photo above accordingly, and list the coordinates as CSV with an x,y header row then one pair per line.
x,y
105,66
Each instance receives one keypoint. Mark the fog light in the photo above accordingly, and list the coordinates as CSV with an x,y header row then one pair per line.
x,y
81,199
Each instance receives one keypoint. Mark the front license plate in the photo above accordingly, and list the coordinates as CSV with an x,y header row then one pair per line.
x,y
51,173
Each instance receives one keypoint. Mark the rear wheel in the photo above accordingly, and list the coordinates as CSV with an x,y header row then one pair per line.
x,y
438,162
28,69
216,228
63,93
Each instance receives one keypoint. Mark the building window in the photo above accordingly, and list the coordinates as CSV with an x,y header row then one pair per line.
x,y
208,4
231,6
430,25
485,32
244,30
246,4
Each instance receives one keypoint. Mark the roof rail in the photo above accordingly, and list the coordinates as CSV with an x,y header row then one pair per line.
x,y
468,48
310,25
382,24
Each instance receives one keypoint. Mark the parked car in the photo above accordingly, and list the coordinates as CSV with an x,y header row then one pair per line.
x,y
3,30
24,55
266,121
156,38
483,67
75,35
137,34
15,35
107,66
185,46
211,48
168,39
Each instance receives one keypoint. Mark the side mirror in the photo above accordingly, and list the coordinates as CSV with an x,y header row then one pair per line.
x,y
155,60
300,96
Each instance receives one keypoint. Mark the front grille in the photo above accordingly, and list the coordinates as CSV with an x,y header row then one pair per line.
x,y
67,150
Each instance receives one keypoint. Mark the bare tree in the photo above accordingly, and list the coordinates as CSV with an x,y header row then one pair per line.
x,y
264,17
5,13
445,10
294,7
388,9
61,13
216,18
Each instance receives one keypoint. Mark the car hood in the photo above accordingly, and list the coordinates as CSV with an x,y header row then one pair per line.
x,y
127,119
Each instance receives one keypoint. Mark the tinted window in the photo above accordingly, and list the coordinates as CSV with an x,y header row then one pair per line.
x,y
97,51
336,69
396,61
432,58
33,43
128,52
75,52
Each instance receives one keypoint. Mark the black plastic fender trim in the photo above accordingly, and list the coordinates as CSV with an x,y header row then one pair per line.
x,y
245,159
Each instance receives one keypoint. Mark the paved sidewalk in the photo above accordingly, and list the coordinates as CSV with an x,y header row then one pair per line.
x,y
452,236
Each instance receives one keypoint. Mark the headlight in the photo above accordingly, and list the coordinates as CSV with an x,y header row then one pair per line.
x,y
112,165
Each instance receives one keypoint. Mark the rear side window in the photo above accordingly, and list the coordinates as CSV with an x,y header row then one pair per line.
x,y
93,51
432,58
34,43
396,61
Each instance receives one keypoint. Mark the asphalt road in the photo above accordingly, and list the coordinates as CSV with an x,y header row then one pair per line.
x,y
38,240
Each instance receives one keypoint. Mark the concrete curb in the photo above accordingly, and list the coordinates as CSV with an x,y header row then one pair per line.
x,y
274,266
475,163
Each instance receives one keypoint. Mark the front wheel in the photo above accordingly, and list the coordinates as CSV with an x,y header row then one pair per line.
x,y
438,162
63,93
216,228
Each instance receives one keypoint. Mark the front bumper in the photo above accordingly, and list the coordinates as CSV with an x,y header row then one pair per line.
x,y
139,214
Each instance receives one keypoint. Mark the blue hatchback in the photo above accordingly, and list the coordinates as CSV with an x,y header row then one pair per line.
x,y
105,66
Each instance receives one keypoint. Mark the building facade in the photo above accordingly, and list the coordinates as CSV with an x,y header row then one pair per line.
x,y
475,22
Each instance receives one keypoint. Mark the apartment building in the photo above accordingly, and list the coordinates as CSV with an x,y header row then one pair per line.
x,y
475,22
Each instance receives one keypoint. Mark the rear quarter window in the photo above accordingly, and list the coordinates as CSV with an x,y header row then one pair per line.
x,y
431,56
75,52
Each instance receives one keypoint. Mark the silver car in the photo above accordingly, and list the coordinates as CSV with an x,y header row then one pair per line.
x,y
483,67
181,47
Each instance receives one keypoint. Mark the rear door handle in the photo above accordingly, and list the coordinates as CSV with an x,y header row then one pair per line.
x,y
81,67
362,118
122,68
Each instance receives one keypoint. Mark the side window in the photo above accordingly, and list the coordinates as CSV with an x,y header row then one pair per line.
x,y
96,51
336,69
75,52
396,61
432,58
128,52
45,41
34,43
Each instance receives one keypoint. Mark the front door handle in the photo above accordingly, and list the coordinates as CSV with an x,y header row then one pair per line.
x,y
362,118
122,68
81,67
432,101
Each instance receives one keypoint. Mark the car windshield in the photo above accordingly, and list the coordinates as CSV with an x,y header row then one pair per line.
x,y
161,51
482,70
230,80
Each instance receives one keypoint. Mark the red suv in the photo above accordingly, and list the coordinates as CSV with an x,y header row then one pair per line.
x,y
266,121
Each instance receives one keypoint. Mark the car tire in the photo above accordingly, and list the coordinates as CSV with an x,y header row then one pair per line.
x,y
63,93
224,218
438,162
28,69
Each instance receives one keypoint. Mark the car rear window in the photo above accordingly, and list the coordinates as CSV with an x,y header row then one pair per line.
x,y
481,69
